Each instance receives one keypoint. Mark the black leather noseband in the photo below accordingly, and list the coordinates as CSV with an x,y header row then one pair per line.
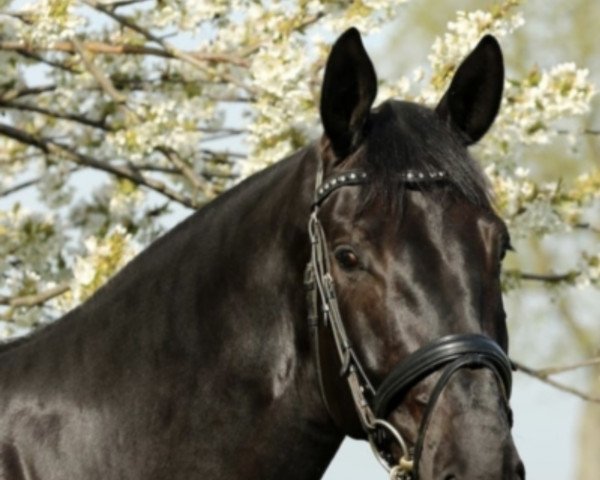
x,y
480,349
448,354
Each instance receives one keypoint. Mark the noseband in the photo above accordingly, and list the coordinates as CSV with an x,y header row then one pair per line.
x,y
448,354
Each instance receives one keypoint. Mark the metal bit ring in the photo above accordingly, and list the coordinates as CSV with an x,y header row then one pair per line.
x,y
405,464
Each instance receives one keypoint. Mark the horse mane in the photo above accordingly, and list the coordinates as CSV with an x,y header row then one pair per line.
x,y
403,136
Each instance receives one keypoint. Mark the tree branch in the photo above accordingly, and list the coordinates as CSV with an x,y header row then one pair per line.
x,y
172,50
587,131
14,93
19,187
51,113
590,362
92,47
543,376
123,3
49,146
26,184
223,154
37,298
125,49
37,57
23,137
125,21
587,226
548,278
102,79
187,171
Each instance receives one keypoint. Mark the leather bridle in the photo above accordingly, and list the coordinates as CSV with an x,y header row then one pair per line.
x,y
448,354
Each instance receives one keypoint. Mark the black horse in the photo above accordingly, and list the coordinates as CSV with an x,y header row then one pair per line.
x,y
216,353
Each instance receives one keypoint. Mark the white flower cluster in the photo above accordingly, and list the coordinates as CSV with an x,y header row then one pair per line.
x,y
157,121
531,108
103,258
185,17
539,208
279,74
533,105
589,269
12,161
54,185
187,14
463,34
117,202
30,257
28,239
450,49
51,21
285,70
366,15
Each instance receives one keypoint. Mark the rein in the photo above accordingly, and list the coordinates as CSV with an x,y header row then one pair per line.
x,y
450,353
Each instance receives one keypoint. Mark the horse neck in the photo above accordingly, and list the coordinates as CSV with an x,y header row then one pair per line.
x,y
258,280
210,324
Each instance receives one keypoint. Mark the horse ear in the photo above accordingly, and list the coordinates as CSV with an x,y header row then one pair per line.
x,y
473,99
349,89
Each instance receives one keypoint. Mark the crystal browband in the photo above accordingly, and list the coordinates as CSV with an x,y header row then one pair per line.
x,y
358,177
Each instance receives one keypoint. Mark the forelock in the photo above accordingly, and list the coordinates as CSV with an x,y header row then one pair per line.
x,y
403,137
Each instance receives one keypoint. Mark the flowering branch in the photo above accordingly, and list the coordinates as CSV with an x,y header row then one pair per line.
x,y
122,49
37,57
37,298
549,278
122,3
170,49
197,181
26,184
586,131
14,93
50,146
102,79
54,114
587,226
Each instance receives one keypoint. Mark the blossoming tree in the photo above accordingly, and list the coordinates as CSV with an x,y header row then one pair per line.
x,y
125,114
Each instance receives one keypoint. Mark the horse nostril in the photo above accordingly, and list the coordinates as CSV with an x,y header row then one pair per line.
x,y
450,477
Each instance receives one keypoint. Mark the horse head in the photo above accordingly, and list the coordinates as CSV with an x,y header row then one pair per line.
x,y
406,258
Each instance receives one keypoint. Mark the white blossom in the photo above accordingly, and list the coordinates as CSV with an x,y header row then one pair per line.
x,y
51,21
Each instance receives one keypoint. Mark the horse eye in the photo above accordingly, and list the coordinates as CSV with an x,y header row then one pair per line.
x,y
346,258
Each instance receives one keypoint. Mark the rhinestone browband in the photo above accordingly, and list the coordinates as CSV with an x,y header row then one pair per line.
x,y
357,177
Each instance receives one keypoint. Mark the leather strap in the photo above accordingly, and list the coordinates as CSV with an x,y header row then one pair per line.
x,y
433,357
351,177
